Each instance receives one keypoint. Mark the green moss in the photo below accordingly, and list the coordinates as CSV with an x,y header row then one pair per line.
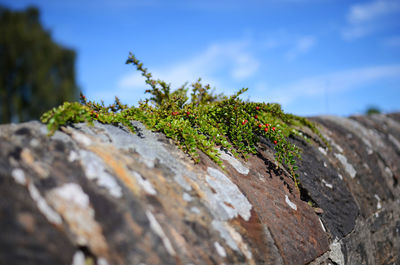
x,y
206,122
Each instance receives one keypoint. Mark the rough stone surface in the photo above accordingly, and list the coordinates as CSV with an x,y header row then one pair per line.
x,y
102,195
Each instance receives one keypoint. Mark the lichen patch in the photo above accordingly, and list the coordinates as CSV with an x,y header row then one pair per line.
x,y
291,204
96,171
156,227
73,204
144,183
234,162
228,197
347,166
233,239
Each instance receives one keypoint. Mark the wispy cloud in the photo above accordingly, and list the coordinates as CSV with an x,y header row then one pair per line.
x,y
97,5
336,82
302,45
364,19
361,13
353,32
393,41
294,44
224,5
233,60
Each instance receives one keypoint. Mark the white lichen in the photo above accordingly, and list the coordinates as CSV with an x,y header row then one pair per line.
x,y
19,176
51,215
336,254
187,197
228,199
322,150
78,258
220,249
95,170
73,193
322,225
81,138
144,184
73,204
73,156
156,227
347,166
232,238
327,184
378,204
291,204
234,162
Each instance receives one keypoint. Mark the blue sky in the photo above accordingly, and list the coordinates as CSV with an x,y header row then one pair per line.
x,y
314,57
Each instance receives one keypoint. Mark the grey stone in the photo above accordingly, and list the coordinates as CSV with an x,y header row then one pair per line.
x,y
103,195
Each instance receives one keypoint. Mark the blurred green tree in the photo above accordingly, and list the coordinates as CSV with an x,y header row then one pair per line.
x,y
373,110
35,72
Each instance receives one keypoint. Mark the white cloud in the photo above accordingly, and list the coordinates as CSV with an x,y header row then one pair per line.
x,y
361,13
224,5
135,80
99,5
364,19
357,31
302,45
392,42
272,43
233,59
294,44
314,87
246,66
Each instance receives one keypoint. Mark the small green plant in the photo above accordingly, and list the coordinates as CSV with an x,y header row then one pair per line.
x,y
372,110
206,122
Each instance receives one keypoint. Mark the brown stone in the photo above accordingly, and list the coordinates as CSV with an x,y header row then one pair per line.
x,y
118,198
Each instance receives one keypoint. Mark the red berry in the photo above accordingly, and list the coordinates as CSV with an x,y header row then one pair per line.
x,y
273,128
275,142
266,129
255,117
188,113
260,125
257,108
267,124
244,122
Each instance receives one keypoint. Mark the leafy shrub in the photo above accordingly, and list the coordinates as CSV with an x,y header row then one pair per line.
x,y
373,110
207,122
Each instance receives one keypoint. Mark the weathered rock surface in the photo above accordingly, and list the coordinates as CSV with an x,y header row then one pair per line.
x,y
102,195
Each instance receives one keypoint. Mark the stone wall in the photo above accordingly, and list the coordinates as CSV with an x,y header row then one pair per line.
x,y
102,195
